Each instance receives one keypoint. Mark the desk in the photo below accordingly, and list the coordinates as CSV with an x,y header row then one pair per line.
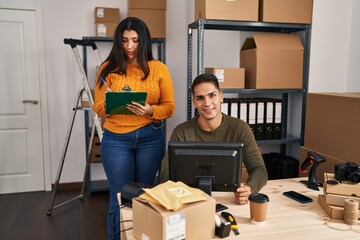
x,y
286,218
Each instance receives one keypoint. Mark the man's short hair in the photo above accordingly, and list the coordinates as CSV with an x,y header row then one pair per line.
x,y
205,78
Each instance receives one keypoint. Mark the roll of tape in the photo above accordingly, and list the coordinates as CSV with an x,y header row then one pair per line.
x,y
351,211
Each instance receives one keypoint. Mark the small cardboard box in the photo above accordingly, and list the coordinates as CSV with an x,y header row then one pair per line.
x,y
238,10
333,212
107,15
95,155
194,221
273,61
85,101
154,19
229,77
324,167
339,200
286,11
332,125
340,188
106,29
147,4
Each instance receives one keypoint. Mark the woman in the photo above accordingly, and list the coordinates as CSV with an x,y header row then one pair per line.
x,y
132,146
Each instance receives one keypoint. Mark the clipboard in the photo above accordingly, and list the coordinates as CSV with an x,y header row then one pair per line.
x,y
116,101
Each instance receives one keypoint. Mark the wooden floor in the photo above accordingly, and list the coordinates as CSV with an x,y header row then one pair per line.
x,y
24,216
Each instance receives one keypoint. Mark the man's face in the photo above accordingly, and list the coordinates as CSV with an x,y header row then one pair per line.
x,y
207,100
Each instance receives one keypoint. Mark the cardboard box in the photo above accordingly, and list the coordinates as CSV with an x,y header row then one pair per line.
x,y
338,200
238,10
229,77
325,167
273,61
340,188
286,11
106,29
333,212
154,19
332,125
194,221
85,101
95,155
147,4
107,15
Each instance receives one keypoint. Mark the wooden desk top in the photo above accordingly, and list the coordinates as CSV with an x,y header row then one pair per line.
x,y
286,218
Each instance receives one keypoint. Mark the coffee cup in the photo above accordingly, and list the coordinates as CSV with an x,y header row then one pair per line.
x,y
258,207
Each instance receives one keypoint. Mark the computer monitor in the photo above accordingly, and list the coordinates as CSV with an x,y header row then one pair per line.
x,y
209,166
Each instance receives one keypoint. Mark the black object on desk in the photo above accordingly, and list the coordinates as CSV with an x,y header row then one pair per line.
x,y
315,159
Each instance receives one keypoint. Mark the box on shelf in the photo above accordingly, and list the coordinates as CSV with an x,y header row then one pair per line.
x,y
85,102
147,4
286,11
340,188
324,167
339,200
332,125
238,10
229,77
107,15
273,61
106,29
194,221
154,19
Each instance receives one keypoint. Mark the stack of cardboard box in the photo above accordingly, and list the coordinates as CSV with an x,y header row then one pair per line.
x,y
106,21
152,12
335,194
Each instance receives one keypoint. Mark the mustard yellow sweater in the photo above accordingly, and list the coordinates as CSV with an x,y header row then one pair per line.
x,y
160,95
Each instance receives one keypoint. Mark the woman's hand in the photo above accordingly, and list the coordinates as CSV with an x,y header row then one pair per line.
x,y
242,194
139,109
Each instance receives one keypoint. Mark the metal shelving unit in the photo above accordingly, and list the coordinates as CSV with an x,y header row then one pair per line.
x,y
100,185
202,24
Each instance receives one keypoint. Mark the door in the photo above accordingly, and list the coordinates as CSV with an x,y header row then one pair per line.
x,y
21,149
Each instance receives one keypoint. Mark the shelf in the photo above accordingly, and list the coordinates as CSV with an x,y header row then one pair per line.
x,y
110,39
247,26
286,140
261,91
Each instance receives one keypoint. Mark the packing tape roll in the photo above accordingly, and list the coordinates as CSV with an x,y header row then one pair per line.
x,y
351,211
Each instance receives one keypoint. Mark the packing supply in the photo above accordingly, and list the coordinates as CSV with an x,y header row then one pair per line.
x,y
351,212
339,200
286,11
193,221
238,10
273,61
228,77
340,188
173,195
152,12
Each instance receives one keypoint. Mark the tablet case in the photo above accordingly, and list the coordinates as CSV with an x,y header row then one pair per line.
x,y
116,101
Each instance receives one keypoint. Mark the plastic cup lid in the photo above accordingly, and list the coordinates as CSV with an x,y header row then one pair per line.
x,y
258,198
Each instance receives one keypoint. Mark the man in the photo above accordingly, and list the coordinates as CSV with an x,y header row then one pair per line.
x,y
212,125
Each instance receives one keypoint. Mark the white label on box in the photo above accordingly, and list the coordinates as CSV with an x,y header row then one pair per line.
x,y
144,237
100,13
101,30
179,192
175,227
220,75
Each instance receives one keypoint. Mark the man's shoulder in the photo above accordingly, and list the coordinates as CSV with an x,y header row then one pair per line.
x,y
186,125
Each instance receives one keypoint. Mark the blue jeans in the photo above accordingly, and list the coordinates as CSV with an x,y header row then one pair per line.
x,y
131,157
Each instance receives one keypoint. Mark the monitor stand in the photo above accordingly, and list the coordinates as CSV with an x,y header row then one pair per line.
x,y
205,183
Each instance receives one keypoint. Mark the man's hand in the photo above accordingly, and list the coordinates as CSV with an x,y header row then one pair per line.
x,y
242,194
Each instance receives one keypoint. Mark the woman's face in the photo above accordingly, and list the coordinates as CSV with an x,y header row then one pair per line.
x,y
130,40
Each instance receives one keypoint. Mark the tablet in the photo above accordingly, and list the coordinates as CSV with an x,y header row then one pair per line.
x,y
116,101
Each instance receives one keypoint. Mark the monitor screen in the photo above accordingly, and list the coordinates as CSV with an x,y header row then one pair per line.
x,y
210,166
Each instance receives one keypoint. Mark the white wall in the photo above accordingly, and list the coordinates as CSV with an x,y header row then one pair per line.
x,y
334,61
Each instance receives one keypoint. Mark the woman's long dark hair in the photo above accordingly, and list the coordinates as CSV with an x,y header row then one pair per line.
x,y
117,59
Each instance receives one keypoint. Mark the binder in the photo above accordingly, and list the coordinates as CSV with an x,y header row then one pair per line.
x,y
251,114
260,123
269,118
116,101
277,118
234,107
243,109
225,106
